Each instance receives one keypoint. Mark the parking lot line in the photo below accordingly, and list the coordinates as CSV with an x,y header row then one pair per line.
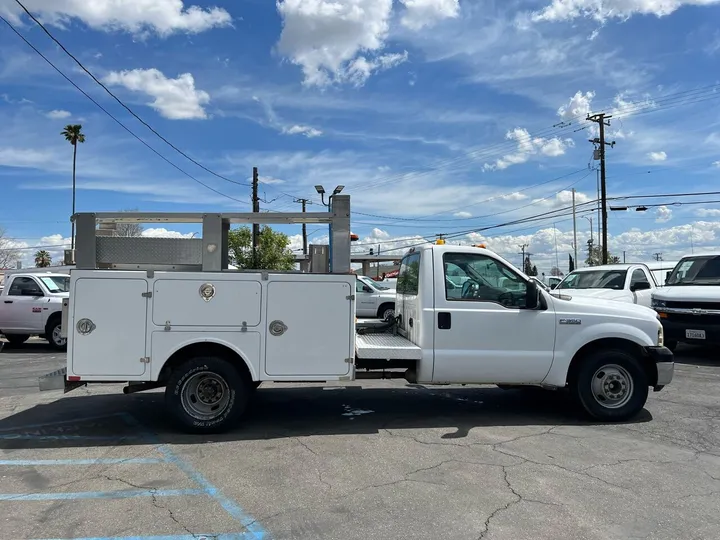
x,y
98,461
122,494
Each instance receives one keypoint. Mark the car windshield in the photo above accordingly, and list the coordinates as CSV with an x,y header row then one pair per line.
x,y
373,284
56,284
595,279
696,271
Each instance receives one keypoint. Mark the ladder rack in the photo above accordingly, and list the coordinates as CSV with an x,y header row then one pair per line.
x,y
97,247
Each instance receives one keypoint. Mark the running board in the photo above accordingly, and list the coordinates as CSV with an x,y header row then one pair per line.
x,y
57,380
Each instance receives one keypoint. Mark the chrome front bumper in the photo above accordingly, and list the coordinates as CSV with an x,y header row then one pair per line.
x,y
665,372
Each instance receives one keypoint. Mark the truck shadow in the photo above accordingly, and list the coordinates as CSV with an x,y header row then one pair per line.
x,y
697,355
116,420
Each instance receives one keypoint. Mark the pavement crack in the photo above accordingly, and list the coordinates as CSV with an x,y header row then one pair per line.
x,y
517,498
305,445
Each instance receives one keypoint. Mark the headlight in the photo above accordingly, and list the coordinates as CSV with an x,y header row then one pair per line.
x,y
658,303
661,337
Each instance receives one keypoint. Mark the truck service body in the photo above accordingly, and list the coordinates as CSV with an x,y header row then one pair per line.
x,y
211,336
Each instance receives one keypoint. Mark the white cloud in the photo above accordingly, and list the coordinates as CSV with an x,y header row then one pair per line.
x,y
580,105
664,214
161,232
528,146
379,234
708,212
463,215
421,13
335,41
162,17
515,196
176,99
602,10
268,180
58,114
716,164
657,156
308,131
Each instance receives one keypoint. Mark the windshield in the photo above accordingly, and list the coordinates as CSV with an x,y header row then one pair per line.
x,y
373,284
696,271
595,279
56,284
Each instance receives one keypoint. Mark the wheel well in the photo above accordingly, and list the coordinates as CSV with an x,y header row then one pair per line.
x,y
384,306
204,349
620,344
51,319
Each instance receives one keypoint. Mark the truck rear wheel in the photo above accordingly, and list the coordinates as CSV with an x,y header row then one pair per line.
x,y
17,339
611,386
206,395
386,312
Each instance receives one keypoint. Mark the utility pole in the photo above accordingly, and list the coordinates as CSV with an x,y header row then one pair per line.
x,y
658,256
623,256
256,209
602,120
523,247
304,226
574,227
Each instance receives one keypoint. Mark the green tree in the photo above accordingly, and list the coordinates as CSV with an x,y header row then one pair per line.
x,y
594,257
42,259
529,268
74,135
273,250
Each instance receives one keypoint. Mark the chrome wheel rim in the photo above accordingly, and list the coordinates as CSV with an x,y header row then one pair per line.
x,y
205,395
612,386
388,313
57,337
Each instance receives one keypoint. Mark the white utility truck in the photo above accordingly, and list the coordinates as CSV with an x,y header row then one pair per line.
x,y
31,305
689,303
374,299
632,283
210,336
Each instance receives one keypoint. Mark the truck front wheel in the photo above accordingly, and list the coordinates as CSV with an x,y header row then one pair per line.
x,y
611,386
53,333
206,395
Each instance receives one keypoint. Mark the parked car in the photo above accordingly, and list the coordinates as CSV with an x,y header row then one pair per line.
x,y
632,283
374,299
31,304
689,302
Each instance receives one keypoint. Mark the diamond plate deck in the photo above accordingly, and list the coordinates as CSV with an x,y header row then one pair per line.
x,y
386,347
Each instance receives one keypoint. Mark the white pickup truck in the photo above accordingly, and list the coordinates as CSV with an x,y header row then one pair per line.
x,y
689,303
31,304
632,283
211,336
374,299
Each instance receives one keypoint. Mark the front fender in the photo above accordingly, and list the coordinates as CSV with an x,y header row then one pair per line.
x,y
569,342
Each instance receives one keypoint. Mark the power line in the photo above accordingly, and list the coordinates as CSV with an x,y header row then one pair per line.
x,y
103,109
122,104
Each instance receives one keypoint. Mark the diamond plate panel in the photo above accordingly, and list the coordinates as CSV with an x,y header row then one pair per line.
x,y
386,347
140,250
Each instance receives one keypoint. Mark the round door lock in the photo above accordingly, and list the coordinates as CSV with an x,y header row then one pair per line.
x,y
207,291
85,326
278,328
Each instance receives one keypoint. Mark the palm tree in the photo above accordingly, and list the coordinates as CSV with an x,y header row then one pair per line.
x,y
74,135
42,259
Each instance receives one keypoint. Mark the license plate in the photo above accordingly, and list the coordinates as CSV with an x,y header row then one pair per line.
x,y
695,334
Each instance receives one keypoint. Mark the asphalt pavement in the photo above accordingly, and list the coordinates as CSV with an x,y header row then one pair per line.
x,y
360,461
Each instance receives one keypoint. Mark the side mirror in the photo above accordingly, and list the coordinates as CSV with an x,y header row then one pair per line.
x,y
532,298
366,288
640,286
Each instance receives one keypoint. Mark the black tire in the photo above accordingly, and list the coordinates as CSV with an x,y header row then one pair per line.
x,y
671,344
605,374
52,334
219,377
386,311
17,339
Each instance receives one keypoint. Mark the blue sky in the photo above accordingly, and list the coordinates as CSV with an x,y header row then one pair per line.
x,y
437,115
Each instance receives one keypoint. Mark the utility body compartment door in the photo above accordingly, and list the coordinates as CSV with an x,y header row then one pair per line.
x,y
310,328
107,330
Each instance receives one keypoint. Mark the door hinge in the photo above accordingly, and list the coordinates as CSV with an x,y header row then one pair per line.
x,y
350,297
147,295
145,360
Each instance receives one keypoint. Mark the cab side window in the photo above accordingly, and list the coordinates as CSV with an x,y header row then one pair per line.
x,y
479,278
409,276
24,286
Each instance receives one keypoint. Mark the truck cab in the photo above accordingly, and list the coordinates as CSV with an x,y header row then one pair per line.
x,y
632,283
31,304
